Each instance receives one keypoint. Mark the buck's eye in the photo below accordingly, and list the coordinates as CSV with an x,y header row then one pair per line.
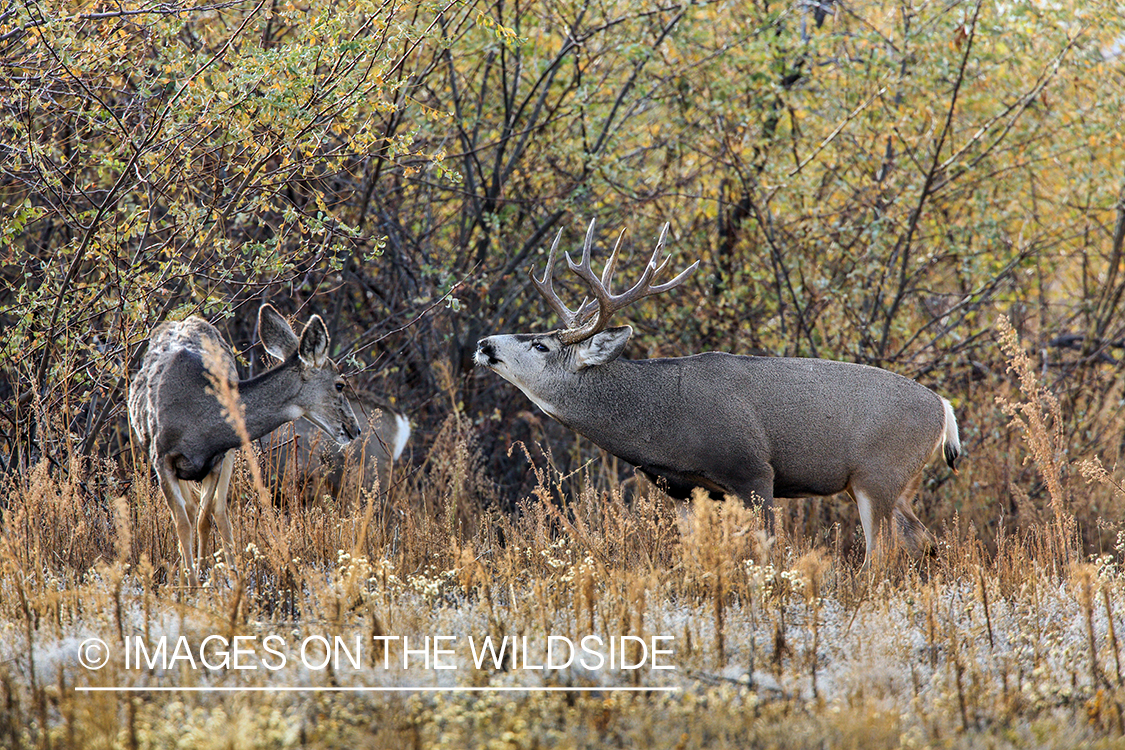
x,y
340,386
540,346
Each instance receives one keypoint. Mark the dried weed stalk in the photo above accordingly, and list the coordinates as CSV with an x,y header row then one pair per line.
x,y
1039,419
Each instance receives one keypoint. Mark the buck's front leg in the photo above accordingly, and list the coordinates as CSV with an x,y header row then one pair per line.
x,y
756,491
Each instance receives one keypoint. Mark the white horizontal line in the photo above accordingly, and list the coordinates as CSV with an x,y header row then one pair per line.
x,y
321,689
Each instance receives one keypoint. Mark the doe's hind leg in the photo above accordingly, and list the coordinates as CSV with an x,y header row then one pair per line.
x,y
180,500
222,516
216,488
202,516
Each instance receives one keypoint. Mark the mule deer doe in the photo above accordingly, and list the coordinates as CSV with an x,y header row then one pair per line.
x,y
322,465
180,423
753,427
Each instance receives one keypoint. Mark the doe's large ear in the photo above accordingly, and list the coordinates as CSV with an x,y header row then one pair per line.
x,y
314,343
602,347
276,335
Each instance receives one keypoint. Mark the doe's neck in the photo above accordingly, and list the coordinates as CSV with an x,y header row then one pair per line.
x,y
269,400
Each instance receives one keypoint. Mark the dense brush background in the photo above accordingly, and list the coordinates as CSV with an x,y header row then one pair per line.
x,y
933,188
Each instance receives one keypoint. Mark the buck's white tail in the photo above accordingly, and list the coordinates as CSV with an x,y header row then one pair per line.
x,y
951,440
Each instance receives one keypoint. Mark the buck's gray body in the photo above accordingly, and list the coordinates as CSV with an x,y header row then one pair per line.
x,y
753,427
759,427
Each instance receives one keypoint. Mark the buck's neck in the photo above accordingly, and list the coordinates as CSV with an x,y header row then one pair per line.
x,y
617,404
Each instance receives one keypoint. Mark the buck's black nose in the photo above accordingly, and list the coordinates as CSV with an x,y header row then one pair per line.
x,y
486,353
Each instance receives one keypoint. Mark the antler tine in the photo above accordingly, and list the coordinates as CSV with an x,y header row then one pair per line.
x,y
590,306
583,269
644,288
680,277
586,274
659,248
608,303
651,268
546,288
611,264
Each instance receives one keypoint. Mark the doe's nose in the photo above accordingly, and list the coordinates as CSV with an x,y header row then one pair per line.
x,y
350,427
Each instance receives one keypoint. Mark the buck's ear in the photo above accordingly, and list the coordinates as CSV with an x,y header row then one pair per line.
x,y
276,335
314,343
602,347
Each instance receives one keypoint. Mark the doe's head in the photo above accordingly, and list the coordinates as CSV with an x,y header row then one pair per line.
x,y
320,386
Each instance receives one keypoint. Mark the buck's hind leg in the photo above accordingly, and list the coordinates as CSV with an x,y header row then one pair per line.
x,y
875,509
867,521
888,519
913,533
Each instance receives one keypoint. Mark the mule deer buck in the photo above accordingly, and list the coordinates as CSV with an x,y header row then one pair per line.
x,y
322,466
752,427
180,423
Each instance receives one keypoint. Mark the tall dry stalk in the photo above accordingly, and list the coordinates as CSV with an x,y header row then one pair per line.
x,y
812,566
1039,419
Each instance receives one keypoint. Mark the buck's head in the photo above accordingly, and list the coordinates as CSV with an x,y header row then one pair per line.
x,y
538,364
316,379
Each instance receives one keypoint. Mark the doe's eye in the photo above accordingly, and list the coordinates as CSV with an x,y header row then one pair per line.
x,y
340,386
540,346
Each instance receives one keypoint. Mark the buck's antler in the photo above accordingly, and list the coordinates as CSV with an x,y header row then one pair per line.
x,y
579,324
545,287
